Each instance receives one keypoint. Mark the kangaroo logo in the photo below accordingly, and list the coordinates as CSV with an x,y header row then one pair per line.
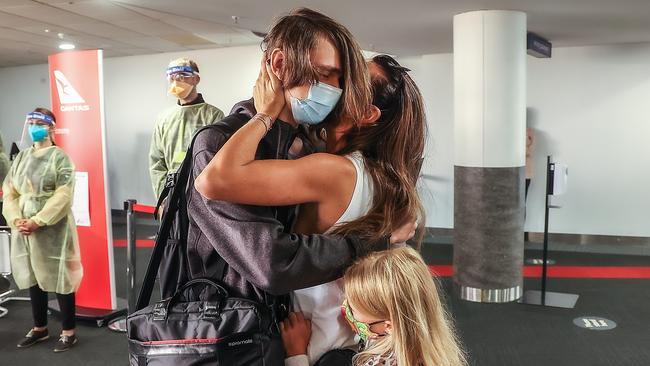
x,y
67,93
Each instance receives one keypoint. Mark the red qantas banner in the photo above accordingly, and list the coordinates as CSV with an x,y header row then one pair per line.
x,y
77,88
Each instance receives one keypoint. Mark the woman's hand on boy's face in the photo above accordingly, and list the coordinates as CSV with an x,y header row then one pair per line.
x,y
268,93
296,332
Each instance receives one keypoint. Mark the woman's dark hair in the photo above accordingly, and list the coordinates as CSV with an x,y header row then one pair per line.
x,y
46,112
392,148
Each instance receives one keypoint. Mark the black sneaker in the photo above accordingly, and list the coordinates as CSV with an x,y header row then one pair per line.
x,y
33,337
65,343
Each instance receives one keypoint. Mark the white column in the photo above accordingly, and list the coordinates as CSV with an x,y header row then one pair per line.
x,y
490,88
489,147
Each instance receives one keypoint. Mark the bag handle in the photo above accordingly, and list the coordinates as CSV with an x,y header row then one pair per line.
x,y
161,309
198,281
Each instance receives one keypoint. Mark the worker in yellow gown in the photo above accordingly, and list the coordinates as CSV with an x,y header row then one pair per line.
x,y
45,256
176,125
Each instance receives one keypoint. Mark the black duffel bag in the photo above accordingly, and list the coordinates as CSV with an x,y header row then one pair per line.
x,y
224,331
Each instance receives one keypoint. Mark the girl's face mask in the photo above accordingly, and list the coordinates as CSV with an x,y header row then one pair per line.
x,y
362,329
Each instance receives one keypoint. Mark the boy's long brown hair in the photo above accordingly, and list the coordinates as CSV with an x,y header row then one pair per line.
x,y
393,149
297,33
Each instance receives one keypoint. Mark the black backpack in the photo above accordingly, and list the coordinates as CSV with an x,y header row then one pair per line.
x,y
181,330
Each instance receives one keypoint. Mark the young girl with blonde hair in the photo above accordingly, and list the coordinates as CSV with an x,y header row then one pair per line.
x,y
392,303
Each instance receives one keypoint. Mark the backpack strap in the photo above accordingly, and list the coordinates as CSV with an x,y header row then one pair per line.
x,y
173,192
170,182
163,234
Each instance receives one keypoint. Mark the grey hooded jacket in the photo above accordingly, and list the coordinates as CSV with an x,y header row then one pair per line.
x,y
255,242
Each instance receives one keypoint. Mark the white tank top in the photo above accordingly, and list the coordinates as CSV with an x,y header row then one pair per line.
x,y
322,303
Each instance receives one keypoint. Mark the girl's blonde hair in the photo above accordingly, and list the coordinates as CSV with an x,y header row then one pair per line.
x,y
396,285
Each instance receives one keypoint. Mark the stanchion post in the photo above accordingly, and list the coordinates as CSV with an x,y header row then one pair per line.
x,y
130,254
543,297
119,324
545,250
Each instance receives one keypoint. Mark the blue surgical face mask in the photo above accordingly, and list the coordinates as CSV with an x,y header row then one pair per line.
x,y
38,132
321,100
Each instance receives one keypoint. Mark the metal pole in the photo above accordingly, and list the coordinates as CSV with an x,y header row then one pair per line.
x,y
130,254
119,324
555,299
545,251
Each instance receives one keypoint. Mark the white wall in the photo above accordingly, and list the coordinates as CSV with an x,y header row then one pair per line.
x,y
21,90
435,78
135,92
590,106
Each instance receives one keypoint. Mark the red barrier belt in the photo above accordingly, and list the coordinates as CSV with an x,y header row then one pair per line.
x,y
143,208
144,243
629,272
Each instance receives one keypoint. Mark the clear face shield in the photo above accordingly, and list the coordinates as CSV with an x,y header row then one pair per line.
x,y
179,78
36,128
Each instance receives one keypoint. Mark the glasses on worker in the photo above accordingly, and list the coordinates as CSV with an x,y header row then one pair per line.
x,y
179,76
38,122
364,330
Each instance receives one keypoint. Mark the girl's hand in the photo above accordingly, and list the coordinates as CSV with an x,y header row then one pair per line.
x,y
268,92
296,332
404,233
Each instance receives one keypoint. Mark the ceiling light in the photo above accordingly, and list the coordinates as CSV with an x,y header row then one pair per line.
x,y
66,46
47,31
